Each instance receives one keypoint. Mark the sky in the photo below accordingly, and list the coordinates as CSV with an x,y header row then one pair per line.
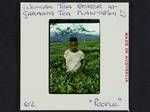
x,y
89,26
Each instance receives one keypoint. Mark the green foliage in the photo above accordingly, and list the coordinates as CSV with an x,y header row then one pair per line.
x,y
84,82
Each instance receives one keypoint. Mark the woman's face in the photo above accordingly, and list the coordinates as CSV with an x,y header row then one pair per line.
x,y
74,46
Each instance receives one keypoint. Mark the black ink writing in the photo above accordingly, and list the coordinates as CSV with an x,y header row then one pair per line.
x,y
37,6
26,14
89,6
63,6
29,104
65,9
63,13
99,103
94,13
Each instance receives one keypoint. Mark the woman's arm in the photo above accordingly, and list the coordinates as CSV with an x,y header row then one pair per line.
x,y
64,64
81,69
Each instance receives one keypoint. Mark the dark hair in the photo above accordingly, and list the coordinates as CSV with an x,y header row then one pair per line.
x,y
73,39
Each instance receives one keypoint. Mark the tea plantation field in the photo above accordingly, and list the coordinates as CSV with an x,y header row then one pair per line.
x,y
86,82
